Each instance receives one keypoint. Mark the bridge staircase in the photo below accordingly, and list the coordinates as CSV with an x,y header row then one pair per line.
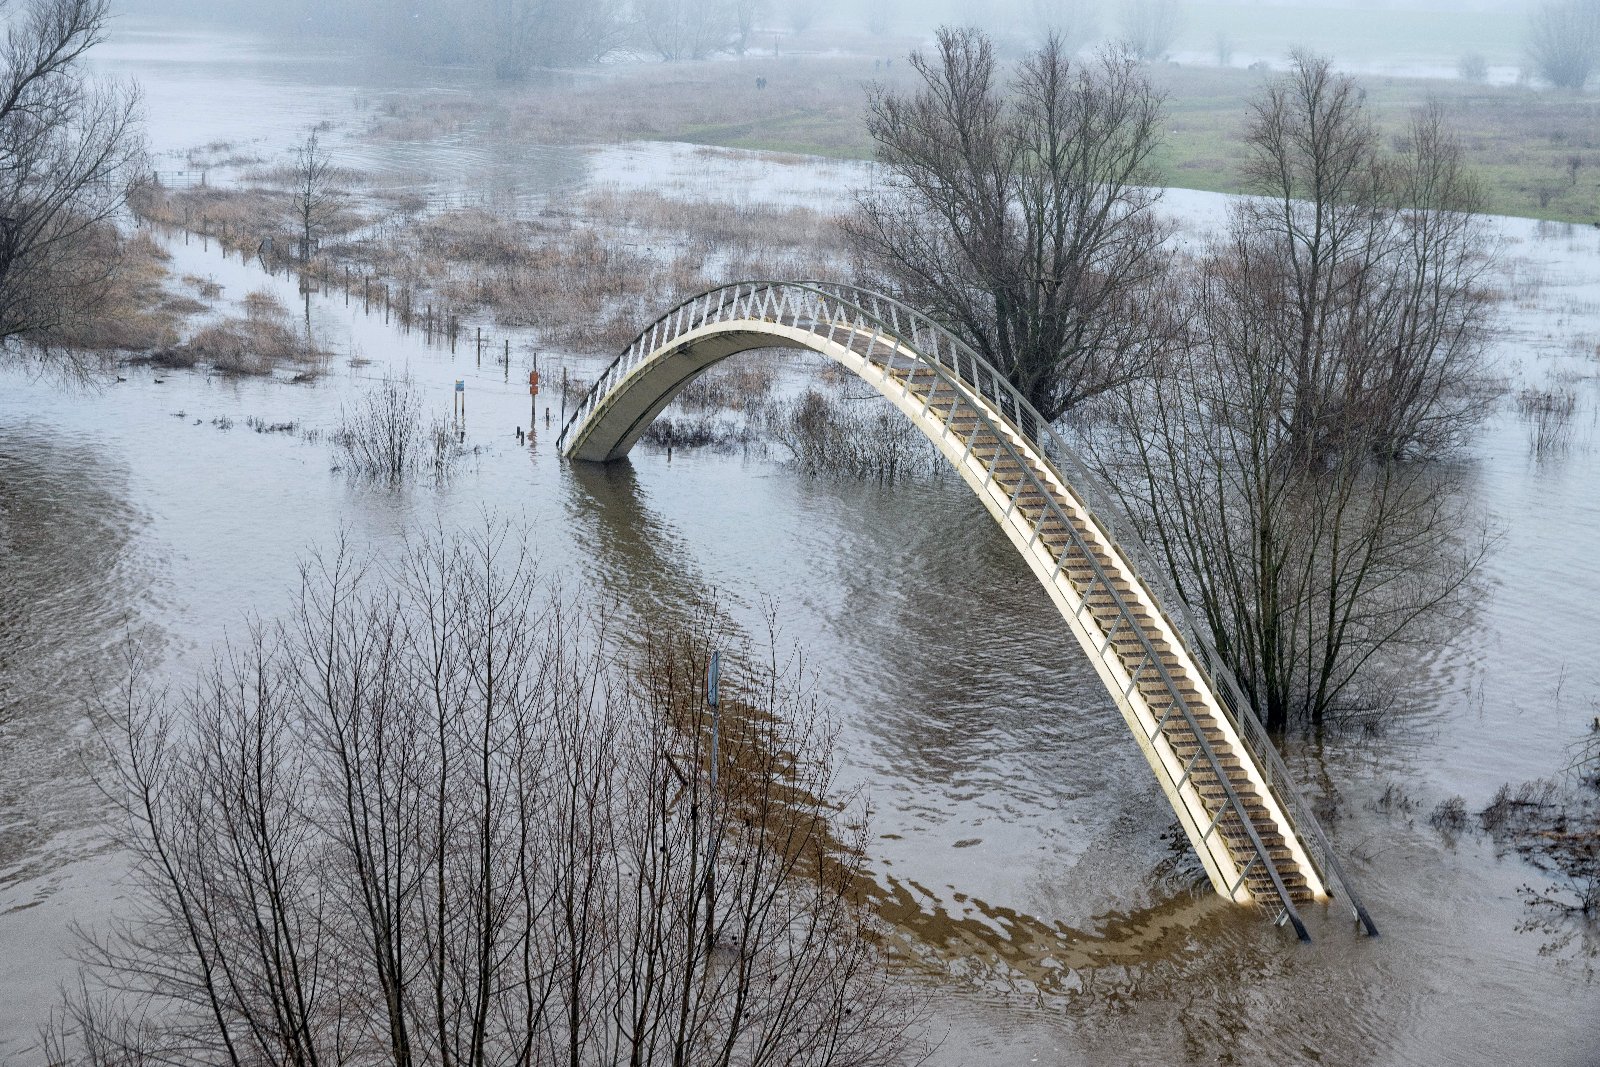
x,y
1256,837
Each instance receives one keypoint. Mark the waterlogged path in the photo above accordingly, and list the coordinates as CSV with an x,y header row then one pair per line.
x,y
1022,852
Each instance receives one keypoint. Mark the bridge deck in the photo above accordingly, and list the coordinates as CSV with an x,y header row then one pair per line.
x,y
1221,773
1204,774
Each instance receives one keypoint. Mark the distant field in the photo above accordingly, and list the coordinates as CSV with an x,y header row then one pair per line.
x,y
1537,151
1374,35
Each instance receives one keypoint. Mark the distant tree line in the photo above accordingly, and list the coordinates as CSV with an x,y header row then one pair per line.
x,y
514,37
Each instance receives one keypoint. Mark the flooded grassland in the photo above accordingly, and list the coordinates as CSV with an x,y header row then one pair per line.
x,y
1021,854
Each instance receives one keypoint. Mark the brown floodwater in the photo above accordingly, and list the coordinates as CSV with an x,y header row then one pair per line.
x,y
1024,858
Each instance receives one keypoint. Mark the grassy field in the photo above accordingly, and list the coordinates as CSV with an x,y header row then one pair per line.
x,y
1366,34
1537,151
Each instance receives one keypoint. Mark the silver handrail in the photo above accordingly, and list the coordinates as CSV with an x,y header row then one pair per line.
x,y
948,353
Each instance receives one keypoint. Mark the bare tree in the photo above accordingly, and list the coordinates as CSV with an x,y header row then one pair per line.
x,y
317,197
1564,41
745,13
1288,460
439,815
802,14
1075,22
1022,219
69,150
383,437
519,36
1150,26
879,16
687,29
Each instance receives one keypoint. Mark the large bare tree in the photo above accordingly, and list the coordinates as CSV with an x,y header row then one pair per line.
x,y
1020,212
1149,27
1291,460
519,36
69,150
440,816
689,29
1564,41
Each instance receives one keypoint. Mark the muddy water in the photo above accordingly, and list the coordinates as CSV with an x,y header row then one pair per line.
x,y
1025,856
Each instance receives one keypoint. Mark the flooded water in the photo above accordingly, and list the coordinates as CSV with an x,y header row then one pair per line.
x,y
1026,858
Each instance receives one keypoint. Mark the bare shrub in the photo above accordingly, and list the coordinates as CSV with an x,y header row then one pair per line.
x,y
1557,830
860,439
1511,809
1449,816
134,311
701,431
383,436
1473,68
265,339
439,814
590,277
1394,799
736,385
1548,414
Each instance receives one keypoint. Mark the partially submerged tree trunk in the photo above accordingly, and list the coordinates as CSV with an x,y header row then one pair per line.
x,y
316,195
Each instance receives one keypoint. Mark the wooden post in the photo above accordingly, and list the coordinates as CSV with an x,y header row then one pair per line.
x,y
480,346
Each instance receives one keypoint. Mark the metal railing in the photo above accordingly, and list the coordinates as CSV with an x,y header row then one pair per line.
x,y
824,307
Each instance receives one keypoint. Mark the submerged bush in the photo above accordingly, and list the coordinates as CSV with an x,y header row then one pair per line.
x,y
383,436
703,431
866,439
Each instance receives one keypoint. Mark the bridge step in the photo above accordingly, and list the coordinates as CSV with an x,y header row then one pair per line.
x,y
1094,573
1023,483
1219,775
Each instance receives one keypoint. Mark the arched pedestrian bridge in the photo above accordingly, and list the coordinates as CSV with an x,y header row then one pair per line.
x,y
1222,775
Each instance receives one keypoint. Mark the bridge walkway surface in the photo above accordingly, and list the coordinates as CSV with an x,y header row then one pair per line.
x,y
1255,836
